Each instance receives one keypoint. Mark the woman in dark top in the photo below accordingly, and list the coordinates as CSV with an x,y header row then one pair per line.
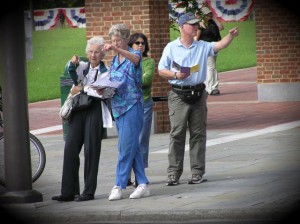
x,y
209,30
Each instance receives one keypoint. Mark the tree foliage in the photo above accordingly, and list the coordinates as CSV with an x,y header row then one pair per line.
x,y
49,4
185,6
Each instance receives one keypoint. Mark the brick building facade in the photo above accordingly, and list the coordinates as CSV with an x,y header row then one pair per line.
x,y
277,45
277,51
150,17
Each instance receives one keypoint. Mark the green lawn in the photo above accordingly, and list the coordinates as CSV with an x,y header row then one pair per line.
x,y
52,49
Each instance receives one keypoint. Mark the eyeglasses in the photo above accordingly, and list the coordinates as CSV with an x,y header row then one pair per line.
x,y
138,43
117,40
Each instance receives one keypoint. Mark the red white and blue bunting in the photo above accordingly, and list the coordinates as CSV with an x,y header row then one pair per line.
x,y
231,10
224,10
46,19
75,17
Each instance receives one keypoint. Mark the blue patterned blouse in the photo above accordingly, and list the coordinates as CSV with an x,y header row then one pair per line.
x,y
130,90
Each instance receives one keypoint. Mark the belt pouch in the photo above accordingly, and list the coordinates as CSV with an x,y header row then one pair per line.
x,y
189,96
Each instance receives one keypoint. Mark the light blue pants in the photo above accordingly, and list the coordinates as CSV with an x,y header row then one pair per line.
x,y
146,131
129,126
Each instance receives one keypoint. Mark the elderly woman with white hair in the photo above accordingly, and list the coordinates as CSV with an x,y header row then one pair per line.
x,y
85,126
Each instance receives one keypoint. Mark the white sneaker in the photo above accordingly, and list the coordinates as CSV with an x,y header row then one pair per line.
x,y
140,192
115,194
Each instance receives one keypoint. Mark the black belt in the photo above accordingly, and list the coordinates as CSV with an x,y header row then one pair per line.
x,y
194,87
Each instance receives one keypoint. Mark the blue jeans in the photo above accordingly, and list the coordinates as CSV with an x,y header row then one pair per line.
x,y
146,131
129,126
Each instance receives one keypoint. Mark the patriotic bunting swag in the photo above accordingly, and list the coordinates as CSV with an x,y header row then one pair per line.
x,y
48,18
231,10
75,17
224,10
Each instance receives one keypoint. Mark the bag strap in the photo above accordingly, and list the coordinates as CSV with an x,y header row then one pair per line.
x,y
102,68
86,70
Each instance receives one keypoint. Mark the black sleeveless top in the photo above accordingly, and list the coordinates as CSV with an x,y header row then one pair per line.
x,y
211,33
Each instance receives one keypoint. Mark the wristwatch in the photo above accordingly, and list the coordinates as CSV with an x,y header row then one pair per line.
x,y
175,76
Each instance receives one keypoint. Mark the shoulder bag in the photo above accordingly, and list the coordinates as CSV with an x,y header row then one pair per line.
x,y
66,109
81,101
75,102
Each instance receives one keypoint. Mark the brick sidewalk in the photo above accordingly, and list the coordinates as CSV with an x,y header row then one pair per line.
x,y
235,108
251,179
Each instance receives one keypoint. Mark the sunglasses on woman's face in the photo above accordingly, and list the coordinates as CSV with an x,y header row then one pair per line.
x,y
138,43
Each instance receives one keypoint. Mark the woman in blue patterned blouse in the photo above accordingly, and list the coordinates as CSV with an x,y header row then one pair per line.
x,y
127,108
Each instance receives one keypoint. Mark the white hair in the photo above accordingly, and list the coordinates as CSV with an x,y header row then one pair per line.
x,y
97,40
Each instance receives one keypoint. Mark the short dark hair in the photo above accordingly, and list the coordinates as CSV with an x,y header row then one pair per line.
x,y
134,37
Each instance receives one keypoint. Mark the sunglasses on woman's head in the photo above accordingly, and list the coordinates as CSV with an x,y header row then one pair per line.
x,y
138,43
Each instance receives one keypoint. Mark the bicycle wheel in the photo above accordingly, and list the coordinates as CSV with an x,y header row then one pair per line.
x,y
37,154
38,157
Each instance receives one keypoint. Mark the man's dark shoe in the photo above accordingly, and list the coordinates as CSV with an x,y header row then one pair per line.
x,y
84,197
63,198
195,179
172,180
